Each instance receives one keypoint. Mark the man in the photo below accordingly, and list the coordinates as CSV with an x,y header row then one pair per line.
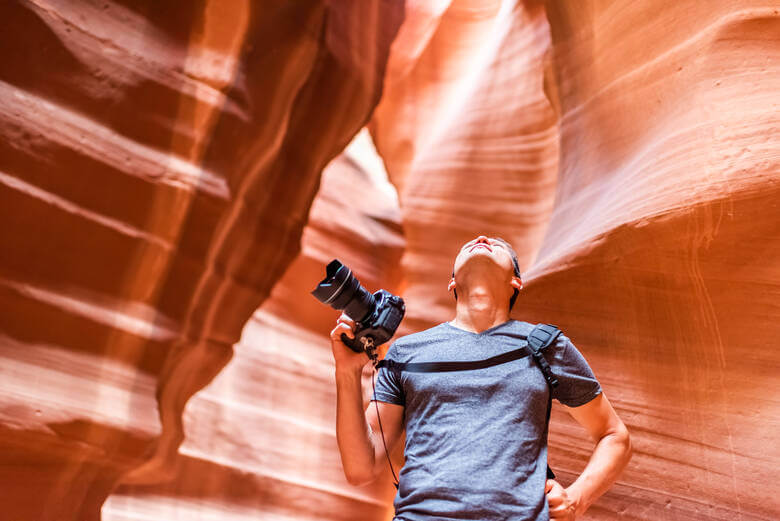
x,y
476,440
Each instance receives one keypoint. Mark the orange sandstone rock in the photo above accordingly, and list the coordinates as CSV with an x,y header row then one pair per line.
x,y
660,256
158,165
260,439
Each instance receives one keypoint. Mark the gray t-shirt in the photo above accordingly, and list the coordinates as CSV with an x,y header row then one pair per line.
x,y
476,440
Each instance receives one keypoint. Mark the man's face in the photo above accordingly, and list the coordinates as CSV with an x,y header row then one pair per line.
x,y
485,249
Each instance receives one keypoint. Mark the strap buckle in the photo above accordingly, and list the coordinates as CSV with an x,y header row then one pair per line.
x,y
540,337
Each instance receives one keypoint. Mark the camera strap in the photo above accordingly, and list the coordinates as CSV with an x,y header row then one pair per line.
x,y
540,337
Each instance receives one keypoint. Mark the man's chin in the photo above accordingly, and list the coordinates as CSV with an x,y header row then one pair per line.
x,y
481,253
481,261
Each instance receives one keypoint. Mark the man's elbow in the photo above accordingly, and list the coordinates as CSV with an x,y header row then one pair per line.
x,y
359,478
622,438
616,436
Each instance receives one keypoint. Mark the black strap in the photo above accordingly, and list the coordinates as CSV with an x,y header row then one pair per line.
x,y
541,336
550,473
443,367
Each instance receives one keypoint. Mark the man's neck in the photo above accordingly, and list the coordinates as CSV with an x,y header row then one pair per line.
x,y
478,310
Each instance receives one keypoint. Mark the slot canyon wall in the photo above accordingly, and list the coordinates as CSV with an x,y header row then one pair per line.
x,y
174,176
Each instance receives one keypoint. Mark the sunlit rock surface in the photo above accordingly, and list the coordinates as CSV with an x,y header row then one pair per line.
x,y
483,140
158,164
661,256
653,242
261,438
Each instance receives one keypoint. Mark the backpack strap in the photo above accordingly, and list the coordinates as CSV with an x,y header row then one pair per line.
x,y
443,367
540,337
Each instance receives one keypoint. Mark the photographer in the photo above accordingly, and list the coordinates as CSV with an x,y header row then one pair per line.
x,y
476,440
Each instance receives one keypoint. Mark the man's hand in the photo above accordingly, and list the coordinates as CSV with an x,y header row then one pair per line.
x,y
346,359
562,507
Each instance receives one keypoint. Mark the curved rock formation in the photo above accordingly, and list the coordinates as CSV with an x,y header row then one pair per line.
x,y
656,253
666,225
472,142
159,162
261,438
158,165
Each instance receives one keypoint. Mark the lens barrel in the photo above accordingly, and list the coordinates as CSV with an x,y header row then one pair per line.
x,y
341,290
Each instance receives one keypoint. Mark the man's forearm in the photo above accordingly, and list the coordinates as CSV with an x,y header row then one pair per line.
x,y
609,458
352,431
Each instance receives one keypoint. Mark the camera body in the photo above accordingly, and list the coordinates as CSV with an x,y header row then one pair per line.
x,y
376,316
379,326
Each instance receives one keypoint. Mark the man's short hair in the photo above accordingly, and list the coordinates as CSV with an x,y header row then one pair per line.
x,y
516,265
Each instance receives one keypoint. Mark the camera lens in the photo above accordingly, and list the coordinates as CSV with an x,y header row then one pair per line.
x,y
341,290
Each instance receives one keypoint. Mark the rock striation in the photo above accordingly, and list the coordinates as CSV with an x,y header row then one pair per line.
x,y
174,176
655,246
261,439
661,251
157,167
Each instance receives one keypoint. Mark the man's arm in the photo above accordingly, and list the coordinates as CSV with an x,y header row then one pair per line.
x,y
609,458
392,417
357,431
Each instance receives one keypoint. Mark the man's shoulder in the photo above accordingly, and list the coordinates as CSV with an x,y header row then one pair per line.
x,y
521,325
524,328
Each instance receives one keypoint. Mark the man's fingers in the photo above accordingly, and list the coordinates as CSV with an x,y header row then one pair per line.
x,y
554,502
554,492
561,512
344,324
339,329
558,501
344,319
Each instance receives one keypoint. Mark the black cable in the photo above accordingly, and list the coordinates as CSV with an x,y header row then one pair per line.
x,y
381,430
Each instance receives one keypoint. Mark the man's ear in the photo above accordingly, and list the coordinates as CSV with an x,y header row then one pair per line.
x,y
516,283
451,284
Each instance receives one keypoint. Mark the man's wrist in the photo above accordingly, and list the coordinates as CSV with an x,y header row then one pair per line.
x,y
349,373
577,500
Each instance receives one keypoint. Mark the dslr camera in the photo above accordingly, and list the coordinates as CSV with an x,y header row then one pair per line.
x,y
376,316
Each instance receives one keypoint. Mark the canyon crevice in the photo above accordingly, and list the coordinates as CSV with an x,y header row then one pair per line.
x,y
173,179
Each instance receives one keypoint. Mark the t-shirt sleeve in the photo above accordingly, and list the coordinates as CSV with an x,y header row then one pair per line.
x,y
388,386
577,385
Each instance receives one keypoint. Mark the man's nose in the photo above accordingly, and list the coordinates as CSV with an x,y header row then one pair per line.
x,y
482,238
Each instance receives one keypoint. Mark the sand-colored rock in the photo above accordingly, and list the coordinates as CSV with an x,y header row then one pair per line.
x,y
261,437
655,248
158,170
483,142
661,252
158,163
